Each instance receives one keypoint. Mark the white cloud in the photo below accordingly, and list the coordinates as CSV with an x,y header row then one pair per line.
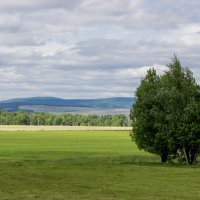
x,y
92,48
139,72
9,74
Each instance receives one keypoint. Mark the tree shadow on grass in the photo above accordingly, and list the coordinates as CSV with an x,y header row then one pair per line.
x,y
141,160
103,159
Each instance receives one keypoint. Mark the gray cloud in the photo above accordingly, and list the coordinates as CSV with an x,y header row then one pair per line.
x,y
32,5
92,48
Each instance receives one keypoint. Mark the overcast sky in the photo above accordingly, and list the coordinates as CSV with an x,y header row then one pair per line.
x,y
92,48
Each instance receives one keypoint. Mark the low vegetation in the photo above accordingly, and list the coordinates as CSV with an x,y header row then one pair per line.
x,y
88,165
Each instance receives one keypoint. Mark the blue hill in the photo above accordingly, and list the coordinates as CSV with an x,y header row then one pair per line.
x,y
102,103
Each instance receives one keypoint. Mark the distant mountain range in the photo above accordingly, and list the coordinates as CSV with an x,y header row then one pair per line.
x,y
57,105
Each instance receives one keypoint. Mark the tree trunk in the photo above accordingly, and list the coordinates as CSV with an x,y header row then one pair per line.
x,y
186,154
164,156
193,156
193,160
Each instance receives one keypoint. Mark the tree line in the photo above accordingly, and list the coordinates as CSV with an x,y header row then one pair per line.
x,y
166,114
65,119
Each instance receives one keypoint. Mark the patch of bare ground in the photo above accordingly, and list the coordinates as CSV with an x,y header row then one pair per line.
x,y
61,128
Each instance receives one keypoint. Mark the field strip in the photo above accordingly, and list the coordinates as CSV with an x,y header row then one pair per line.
x,y
61,128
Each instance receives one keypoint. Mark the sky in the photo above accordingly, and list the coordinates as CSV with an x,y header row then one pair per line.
x,y
92,48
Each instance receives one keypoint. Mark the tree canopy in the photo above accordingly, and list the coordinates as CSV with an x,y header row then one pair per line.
x,y
165,116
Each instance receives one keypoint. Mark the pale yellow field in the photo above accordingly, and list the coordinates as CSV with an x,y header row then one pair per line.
x,y
61,128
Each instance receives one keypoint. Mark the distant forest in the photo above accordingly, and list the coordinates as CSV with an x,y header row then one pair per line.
x,y
65,119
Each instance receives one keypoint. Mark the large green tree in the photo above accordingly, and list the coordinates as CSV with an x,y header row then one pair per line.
x,y
166,114
144,114
181,94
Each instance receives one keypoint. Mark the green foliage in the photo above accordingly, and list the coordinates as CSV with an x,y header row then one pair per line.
x,y
65,119
166,114
144,114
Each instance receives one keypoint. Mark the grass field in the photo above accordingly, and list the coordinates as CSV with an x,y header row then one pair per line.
x,y
62,165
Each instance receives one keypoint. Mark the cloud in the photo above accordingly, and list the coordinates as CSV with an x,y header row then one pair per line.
x,y
139,72
92,48
32,5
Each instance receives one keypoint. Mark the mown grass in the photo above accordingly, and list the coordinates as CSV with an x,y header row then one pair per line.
x,y
87,165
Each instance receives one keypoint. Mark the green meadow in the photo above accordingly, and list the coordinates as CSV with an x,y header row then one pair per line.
x,y
96,165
